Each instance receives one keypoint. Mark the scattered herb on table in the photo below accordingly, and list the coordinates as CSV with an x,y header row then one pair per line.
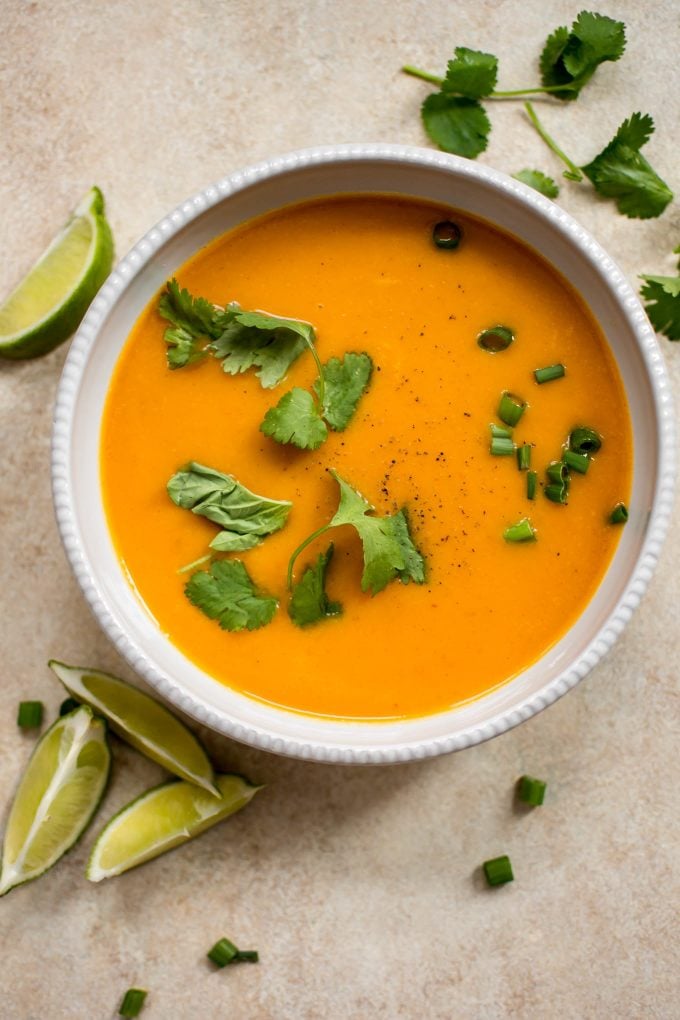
x,y
531,791
226,593
662,297
30,715
539,182
224,952
309,602
498,870
133,1002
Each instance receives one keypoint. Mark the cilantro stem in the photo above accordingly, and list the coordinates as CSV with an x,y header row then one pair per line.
x,y
303,545
423,75
434,79
573,173
194,563
319,366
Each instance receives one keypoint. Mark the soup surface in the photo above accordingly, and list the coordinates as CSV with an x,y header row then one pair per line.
x,y
365,272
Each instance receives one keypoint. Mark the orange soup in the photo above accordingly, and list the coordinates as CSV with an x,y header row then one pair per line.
x,y
364,270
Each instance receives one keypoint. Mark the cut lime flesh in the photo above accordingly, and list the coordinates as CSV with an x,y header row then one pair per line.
x,y
58,794
140,720
162,819
46,307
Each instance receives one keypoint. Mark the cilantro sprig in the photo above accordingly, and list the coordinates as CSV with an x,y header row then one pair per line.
x,y
389,551
662,296
226,593
309,602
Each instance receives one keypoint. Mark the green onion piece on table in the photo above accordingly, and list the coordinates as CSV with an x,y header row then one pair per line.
x,y
619,514
447,235
523,531
511,408
225,952
531,791
557,489
524,457
30,715
583,439
496,339
579,462
498,870
132,1003
550,372
531,484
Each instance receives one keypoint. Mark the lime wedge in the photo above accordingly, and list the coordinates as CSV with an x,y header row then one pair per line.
x,y
161,819
141,720
49,303
60,790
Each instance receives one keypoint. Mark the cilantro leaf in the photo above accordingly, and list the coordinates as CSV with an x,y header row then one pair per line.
x,y
572,57
456,124
245,517
196,322
228,595
296,419
389,551
471,73
620,172
253,339
309,602
662,294
539,181
345,379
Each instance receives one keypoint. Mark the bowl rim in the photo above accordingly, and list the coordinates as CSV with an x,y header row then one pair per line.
x,y
508,717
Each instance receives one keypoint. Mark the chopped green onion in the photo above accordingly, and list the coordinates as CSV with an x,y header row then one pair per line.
x,y
447,235
619,514
523,531
583,439
30,714
496,339
68,705
225,952
132,1003
501,447
557,489
511,408
531,485
550,372
498,871
499,432
576,461
531,791
524,457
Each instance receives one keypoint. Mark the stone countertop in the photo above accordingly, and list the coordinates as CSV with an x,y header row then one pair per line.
x,y
359,886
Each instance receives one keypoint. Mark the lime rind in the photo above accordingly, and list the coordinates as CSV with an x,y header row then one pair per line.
x,y
161,819
57,796
30,337
142,721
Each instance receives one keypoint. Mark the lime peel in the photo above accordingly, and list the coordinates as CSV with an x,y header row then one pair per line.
x,y
47,306
140,720
60,791
162,818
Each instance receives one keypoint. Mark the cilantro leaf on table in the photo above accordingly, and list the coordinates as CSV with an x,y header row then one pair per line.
x,y
570,58
309,602
456,124
662,294
195,322
620,172
296,419
346,380
227,594
245,517
254,339
539,182
471,73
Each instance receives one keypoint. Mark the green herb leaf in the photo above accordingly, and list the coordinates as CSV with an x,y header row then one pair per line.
x,y
269,343
196,322
539,181
246,517
346,380
296,419
471,73
620,172
571,58
662,294
309,602
389,551
456,124
228,595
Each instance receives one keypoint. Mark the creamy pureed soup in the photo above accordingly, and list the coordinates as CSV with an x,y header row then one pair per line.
x,y
364,270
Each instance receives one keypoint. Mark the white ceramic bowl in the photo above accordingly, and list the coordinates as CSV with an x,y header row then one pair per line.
x,y
362,168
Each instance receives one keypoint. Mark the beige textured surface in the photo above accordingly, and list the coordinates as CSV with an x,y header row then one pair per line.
x,y
359,886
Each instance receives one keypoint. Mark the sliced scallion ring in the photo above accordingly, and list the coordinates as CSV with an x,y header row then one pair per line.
x,y
583,439
523,531
447,235
511,408
496,339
